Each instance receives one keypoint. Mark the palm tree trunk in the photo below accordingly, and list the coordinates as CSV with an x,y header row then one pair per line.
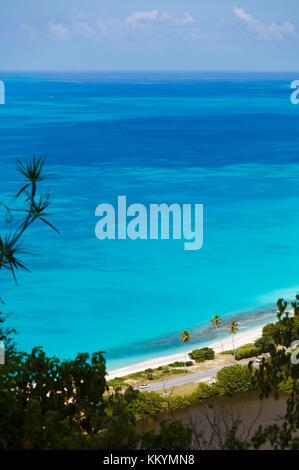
x,y
234,347
185,358
218,332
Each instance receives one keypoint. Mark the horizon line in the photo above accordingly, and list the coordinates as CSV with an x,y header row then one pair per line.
x,y
145,71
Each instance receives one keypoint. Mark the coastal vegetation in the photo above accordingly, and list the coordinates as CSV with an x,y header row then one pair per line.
x,y
236,378
203,354
181,364
185,338
160,373
51,404
247,351
233,328
277,375
216,322
172,370
251,350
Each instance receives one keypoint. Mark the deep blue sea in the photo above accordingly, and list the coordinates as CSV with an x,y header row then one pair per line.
x,y
228,141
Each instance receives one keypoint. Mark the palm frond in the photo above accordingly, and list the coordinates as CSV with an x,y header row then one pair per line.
x,y
50,225
33,170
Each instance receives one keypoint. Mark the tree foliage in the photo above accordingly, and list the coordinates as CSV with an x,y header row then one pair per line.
x,y
34,207
234,379
279,373
203,354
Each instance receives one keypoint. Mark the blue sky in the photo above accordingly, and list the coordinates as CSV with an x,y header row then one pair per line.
x,y
147,35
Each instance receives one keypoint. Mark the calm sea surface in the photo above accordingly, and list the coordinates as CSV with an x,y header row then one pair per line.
x,y
228,141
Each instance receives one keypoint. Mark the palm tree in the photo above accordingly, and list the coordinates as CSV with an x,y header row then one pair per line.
x,y
216,322
185,338
233,328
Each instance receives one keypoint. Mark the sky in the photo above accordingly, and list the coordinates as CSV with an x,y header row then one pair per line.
x,y
245,35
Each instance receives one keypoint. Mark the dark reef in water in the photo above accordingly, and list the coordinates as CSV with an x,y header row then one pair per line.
x,y
200,335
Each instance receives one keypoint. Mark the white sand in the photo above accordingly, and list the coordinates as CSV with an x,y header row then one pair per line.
x,y
240,339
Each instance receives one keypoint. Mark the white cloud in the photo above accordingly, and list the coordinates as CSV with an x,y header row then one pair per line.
x,y
59,30
83,28
264,30
243,16
144,22
188,19
141,23
172,20
138,16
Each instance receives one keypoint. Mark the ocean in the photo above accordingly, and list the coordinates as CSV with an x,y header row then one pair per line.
x,y
227,141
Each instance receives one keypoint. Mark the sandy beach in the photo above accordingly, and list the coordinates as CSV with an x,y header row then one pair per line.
x,y
240,339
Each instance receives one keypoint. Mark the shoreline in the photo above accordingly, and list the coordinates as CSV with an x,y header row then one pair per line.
x,y
248,336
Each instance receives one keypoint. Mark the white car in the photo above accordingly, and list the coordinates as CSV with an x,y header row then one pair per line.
x,y
144,386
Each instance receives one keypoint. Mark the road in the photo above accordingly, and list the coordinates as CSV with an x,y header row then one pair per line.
x,y
207,374
197,376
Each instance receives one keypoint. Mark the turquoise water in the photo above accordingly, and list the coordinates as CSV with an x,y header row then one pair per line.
x,y
228,141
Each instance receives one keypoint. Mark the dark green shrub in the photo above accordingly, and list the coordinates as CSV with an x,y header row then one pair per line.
x,y
265,343
247,350
181,364
203,354
232,379
280,329
205,391
148,405
178,371
118,382
271,329
202,392
288,385
136,375
172,435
